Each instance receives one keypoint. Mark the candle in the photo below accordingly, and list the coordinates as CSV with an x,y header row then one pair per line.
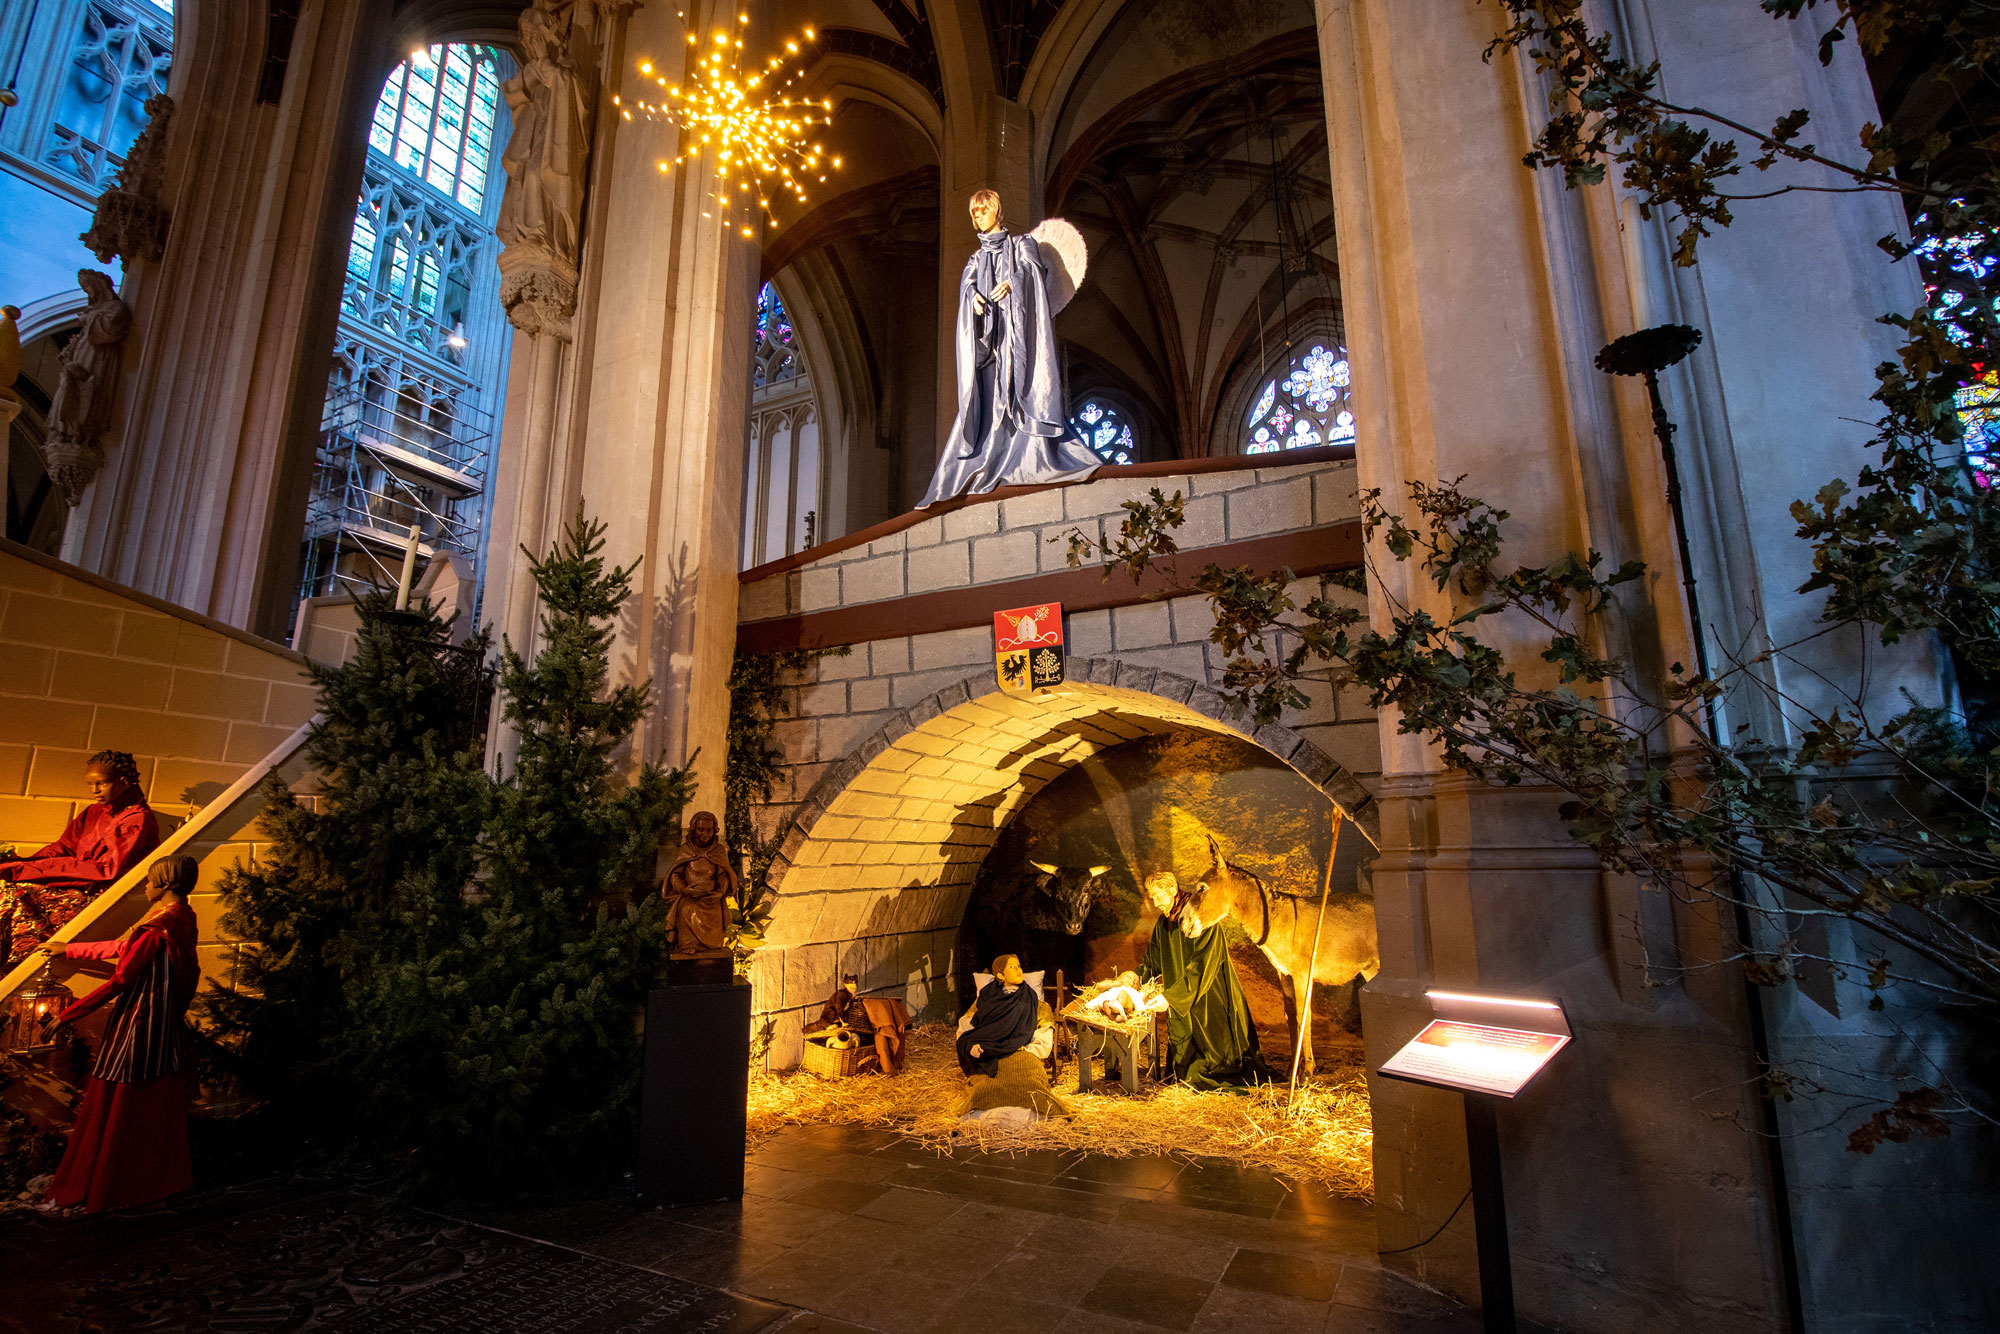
x,y
409,570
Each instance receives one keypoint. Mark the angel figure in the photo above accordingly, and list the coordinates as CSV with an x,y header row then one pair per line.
x,y
1012,428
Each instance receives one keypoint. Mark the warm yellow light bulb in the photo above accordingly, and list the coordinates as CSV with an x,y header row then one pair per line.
x,y
645,67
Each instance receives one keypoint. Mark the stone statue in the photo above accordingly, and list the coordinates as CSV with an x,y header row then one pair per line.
x,y
130,220
1013,425
698,888
80,411
544,161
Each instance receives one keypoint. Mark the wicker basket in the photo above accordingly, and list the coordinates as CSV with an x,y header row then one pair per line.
x,y
827,1063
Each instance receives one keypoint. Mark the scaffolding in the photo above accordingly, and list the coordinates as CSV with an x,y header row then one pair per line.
x,y
392,455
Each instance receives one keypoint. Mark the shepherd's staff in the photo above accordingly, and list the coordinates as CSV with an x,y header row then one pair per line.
x,y
1305,1006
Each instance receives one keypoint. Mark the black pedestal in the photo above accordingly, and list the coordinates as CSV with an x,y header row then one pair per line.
x,y
692,1104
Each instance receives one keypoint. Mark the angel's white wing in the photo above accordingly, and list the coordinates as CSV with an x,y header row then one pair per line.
x,y
1066,257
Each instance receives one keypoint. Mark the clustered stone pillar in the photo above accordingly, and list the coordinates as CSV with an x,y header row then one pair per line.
x,y
1476,293
629,397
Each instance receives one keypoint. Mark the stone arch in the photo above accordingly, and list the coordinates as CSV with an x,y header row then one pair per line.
x,y
874,868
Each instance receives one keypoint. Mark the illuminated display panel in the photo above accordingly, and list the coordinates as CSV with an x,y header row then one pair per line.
x,y
1477,1058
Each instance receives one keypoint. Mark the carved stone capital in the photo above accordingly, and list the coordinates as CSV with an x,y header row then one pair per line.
x,y
538,289
127,226
130,221
71,465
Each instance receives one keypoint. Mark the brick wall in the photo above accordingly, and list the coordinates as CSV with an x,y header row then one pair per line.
x,y
901,761
87,665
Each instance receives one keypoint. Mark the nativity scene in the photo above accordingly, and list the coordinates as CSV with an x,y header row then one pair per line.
x,y
1161,665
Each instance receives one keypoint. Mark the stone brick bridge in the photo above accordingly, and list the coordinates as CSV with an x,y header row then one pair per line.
x,y
902,760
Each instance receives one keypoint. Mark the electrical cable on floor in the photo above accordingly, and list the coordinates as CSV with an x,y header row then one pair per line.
x,y
1440,1227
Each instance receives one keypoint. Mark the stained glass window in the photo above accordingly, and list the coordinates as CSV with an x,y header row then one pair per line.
x,y
1958,273
772,350
435,120
1307,405
781,482
119,57
1106,431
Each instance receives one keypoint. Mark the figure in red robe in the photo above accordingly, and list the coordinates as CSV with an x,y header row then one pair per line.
x,y
130,1143
103,842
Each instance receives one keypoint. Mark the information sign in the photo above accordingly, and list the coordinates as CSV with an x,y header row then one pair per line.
x,y
1478,1058
1481,1043
1028,647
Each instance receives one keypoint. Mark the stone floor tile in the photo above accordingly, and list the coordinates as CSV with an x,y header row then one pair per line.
x,y
1367,1285
811,1322
647,1242
1061,1274
918,1208
1170,1301
1264,1234
1201,1257
890,1301
775,1183
801,1277
957,1263
873,1241
719,1259
841,1196
1282,1275
1220,1179
988,1313
866,1168
1147,1172
1231,1310
1176,1194
982,1218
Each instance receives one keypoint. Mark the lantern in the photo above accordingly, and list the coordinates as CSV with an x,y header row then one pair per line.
x,y
31,1016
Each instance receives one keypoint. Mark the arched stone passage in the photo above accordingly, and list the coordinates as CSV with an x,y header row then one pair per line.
x,y
875,867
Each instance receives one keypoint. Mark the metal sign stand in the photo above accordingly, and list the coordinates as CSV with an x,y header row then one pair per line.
x,y
1487,1049
1489,1213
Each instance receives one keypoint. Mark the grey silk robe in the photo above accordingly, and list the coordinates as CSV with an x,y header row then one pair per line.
x,y
1012,427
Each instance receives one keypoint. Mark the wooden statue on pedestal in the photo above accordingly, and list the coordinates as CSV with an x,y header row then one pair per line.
x,y
699,888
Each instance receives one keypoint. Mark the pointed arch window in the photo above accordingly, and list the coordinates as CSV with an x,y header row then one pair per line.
x,y
1104,428
781,474
119,55
435,120
1958,273
1307,405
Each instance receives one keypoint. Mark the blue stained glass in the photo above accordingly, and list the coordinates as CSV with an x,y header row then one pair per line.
x,y
1318,379
1264,402
1104,429
1306,406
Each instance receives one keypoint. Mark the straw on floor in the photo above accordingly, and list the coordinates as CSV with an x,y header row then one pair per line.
x,y
1326,1138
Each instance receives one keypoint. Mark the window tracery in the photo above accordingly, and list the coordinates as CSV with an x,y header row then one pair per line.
x,y
772,361
435,120
1308,404
1957,273
420,367
781,474
120,56
1104,428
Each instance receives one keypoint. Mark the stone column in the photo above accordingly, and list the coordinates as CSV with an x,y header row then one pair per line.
x,y
642,422
1476,293
204,492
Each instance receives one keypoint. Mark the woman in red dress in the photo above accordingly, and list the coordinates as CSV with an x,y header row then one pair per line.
x,y
130,1144
106,839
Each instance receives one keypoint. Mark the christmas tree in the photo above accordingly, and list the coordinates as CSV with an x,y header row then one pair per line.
x,y
451,963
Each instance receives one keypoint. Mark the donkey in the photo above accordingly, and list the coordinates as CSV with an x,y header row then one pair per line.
x,y
1283,927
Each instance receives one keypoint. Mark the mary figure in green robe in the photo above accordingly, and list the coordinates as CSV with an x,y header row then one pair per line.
x,y
1208,1021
